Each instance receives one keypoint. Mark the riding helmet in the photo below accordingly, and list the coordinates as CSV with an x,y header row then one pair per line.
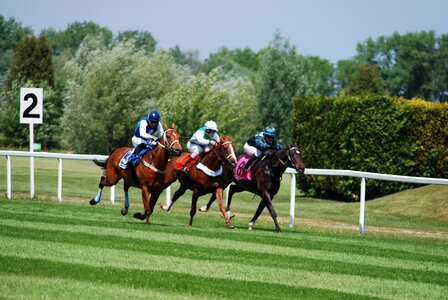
x,y
154,116
211,125
270,131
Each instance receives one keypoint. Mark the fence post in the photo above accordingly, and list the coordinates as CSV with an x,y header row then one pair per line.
x,y
292,206
60,180
8,176
112,195
362,205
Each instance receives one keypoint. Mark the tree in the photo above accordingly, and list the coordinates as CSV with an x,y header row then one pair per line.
x,y
71,38
412,65
226,98
143,39
32,62
367,80
11,33
110,89
188,58
241,61
283,76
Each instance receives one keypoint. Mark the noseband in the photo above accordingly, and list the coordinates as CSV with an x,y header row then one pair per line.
x,y
221,147
289,158
165,144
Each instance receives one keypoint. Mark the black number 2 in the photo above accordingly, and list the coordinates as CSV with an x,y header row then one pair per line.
x,y
27,113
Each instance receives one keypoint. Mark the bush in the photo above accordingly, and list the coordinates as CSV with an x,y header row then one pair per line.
x,y
369,133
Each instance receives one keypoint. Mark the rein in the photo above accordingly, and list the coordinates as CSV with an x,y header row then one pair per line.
x,y
289,157
165,146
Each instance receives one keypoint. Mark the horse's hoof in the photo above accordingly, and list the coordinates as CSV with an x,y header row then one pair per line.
x,y
203,208
230,226
124,211
164,207
93,202
251,226
140,216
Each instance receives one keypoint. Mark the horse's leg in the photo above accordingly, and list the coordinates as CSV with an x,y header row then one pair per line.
x,y
234,188
268,203
155,194
194,200
218,194
260,208
206,207
110,179
145,195
124,210
180,191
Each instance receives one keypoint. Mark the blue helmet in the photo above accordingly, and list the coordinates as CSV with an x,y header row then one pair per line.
x,y
270,131
154,116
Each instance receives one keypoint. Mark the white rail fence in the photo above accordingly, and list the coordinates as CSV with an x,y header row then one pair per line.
x,y
323,172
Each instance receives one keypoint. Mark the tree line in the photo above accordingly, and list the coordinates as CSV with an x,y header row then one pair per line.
x,y
97,85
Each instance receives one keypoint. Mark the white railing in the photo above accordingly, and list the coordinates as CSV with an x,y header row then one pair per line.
x,y
363,176
324,172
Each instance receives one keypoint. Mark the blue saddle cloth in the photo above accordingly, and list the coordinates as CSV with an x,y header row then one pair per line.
x,y
130,159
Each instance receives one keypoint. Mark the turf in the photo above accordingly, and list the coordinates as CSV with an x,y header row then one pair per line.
x,y
77,251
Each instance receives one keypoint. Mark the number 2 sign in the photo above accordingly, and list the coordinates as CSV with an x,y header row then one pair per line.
x,y
31,105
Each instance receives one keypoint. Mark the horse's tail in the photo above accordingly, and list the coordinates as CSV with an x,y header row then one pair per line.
x,y
101,164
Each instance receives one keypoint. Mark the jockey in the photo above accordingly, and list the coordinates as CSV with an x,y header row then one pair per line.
x,y
260,144
145,130
200,141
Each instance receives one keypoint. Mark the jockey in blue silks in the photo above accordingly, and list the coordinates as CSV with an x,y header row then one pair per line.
x,y
260,144
144,133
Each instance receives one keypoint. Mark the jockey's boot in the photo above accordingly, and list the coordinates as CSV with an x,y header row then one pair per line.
x,y
139,148
249,163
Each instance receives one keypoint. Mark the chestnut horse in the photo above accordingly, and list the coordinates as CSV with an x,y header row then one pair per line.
x,y
148,175
266,178
219,159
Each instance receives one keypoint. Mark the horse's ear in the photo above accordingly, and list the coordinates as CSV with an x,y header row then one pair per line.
x,y
165,126
173,126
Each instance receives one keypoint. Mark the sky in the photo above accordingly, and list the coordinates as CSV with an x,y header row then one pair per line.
x,y
330,29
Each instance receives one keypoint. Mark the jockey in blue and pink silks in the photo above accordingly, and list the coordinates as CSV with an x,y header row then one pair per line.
x,y
260,144
144,133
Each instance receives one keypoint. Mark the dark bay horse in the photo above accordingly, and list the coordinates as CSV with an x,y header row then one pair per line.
x,y
148,175
266,178
220,159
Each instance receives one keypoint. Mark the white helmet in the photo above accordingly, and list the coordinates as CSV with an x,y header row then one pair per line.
x,y
211,125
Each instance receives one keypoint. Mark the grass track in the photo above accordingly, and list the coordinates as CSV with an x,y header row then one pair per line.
x,y
73,250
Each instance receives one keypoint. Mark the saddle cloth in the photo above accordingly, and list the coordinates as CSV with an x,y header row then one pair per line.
x,y
130,159
240,173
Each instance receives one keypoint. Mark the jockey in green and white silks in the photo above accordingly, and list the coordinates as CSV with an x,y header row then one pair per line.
x,y
203,138
200,141
146,130
260,143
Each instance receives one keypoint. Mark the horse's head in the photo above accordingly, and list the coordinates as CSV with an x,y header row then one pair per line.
x,y
295,159
170,140
225,150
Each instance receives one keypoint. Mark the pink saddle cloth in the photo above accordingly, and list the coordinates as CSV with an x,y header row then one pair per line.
x,y
240,173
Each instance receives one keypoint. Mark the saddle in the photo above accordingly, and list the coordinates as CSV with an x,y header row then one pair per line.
x,y
131,159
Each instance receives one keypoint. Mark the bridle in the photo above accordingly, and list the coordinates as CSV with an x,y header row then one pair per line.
x,y
289,158
166,145
227,156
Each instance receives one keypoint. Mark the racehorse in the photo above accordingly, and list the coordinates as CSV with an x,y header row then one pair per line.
x,y
266,178
217,163
148,175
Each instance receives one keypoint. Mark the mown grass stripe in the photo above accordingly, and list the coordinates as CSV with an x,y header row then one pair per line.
x,y
405,263
211,254
11,287
353,243
97,257
182,285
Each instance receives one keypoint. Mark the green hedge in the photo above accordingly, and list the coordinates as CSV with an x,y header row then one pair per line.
x,y
373,133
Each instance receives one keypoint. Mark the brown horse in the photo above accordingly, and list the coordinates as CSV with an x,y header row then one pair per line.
x,y
148,175
266,178
219,159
